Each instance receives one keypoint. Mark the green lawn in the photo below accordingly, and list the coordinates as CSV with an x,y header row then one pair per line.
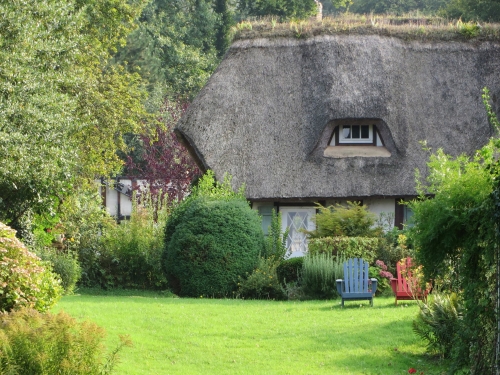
x,y
210,336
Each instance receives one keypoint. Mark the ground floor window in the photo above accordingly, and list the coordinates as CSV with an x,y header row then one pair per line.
x,y
296,219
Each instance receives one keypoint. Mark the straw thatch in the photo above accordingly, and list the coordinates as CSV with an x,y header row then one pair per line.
x,y
267,113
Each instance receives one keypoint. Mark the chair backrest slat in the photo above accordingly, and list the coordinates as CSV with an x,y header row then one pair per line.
x,y
356,276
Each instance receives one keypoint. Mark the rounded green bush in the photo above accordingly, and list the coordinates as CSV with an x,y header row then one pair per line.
x,y
209,244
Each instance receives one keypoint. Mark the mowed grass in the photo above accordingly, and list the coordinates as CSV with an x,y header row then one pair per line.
x,y
232,336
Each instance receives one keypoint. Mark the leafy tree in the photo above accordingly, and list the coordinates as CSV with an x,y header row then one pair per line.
x,y
454,235
163,161
473,10
62,107
173,48
222,38
283,9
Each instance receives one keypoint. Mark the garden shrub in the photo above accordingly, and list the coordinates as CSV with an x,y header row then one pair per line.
x,y
394,247
132,250
353,220
64,264
262,283
289,270
458,228
319,275
383,276
348,247
437,323
44,344
275,243
25,281
212,244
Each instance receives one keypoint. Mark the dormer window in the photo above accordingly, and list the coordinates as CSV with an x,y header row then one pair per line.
x,y
355,138
356,135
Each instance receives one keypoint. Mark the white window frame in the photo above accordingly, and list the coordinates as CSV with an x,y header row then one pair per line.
x,y
344,140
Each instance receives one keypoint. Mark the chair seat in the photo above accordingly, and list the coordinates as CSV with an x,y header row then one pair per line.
x,y
356,295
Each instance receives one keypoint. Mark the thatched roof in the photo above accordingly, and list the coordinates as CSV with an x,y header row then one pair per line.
x,y
267,113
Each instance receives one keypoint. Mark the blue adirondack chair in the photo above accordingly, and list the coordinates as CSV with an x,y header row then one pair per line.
x,y
355,285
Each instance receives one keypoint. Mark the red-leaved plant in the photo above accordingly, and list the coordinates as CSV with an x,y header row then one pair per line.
x,y
164,162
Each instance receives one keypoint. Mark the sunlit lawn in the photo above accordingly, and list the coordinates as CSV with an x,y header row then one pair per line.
x,y
200,336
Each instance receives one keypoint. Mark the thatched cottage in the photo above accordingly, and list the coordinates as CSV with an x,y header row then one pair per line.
x,y
332,118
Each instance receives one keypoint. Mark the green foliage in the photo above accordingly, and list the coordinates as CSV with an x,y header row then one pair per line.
x,y
455,239
284,9
262,283
275,241
209,187
62,108
25,281
379,271
469,29
438,322
393,247
135,246
472,10
174,47
319,275
64,264
82,221
352,220
211,238
45,344
348,247
289,270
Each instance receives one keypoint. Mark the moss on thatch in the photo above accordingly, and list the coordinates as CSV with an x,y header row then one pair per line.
x,y
405,28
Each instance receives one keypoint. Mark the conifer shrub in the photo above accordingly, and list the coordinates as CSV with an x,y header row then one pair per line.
x,y
40,344
210,243
25,281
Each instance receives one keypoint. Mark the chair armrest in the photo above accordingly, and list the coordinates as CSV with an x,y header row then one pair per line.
x,y
340,286
374,285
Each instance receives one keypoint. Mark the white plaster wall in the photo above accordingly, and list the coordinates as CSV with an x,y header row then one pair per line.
x,y
111,201
387,207
126,202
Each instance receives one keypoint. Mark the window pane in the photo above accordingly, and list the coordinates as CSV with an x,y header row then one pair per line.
x,y
355,131
346,131
365,131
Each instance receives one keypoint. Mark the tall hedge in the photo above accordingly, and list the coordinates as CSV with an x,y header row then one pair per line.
x,y
209,242
349,247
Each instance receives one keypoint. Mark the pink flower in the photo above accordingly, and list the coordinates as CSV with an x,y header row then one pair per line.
x,y
412,371
386,274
